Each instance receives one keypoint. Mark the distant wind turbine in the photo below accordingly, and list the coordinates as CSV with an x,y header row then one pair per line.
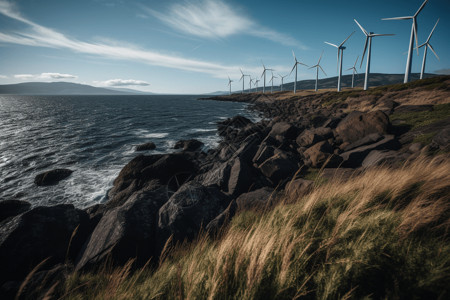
x,y
411,40
340,58
282,78
271,80
368,47
264,74
296,63
243,79
427,45
256,84
229,83
251,80
354,71
317,66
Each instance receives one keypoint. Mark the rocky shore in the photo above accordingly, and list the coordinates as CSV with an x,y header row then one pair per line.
x,y
164,199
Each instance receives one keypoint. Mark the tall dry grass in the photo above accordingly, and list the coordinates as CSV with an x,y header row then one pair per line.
x,y
382,234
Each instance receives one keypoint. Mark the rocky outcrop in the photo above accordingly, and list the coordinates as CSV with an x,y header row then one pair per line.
x,y
12,208
188,145
258,199
52,177
146,146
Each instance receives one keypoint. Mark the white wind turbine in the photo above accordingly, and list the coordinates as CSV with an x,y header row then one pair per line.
x,y
354,71
264,74
271,80
243,79
251,80
368,47
282,79
296,63
229,83
411,40
340,58
317,66
427,45
256,84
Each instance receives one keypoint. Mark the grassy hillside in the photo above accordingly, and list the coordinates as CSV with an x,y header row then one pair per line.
x,y
382,234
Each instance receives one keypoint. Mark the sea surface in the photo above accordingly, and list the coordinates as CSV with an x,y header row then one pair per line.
x,y
94,136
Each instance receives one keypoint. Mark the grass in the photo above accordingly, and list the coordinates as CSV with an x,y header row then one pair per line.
x,y
423,118
384,234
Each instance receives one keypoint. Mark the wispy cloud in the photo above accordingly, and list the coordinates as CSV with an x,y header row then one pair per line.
x,y
216,19
40,36
122,82
3,76
44,76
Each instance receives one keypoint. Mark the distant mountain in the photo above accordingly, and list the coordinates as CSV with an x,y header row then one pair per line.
x,y
216,93
60,88
131,91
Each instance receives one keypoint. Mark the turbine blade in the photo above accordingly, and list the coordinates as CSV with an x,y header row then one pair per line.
x,y
323,71
293,54
415,34
363,30
434,52
398,18
355,71
303,64
346,39
364,52
420,8
356,61
349,69
331,44
241,71
320,58
431,33
384,34
312,67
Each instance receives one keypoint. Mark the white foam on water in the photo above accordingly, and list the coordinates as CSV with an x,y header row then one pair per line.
x,y
194,130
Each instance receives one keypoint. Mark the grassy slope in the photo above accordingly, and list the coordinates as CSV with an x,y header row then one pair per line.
x,y
381,234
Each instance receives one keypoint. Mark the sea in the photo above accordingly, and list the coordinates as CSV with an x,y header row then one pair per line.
x,y
95,136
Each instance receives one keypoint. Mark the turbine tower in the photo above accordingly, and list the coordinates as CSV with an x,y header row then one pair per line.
x,y
368,47
264,74
229,83
271,80
243,79
256,84
354,71
251,80
427,45
317,66
340,58
295,67
411,40
282,78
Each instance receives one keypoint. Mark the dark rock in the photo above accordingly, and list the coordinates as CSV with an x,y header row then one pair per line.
x,y
52,177
278,168
358,125
219,175
284,130
415,147
55,232
12,208
355,157
299,187
442,139
126,232
258,199
367,140
236,122
310,137
320,154
241,177
192,207
188,145
146,146
384,157
223,219
264,152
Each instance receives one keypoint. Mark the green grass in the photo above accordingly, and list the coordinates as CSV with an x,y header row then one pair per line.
x,y
423,118
425,138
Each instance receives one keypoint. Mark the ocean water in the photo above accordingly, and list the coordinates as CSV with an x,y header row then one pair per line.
x,y
94,136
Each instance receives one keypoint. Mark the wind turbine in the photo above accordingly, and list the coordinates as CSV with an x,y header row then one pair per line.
x,y
354,71
368,45
411,40
282,78
229,83
340,58
427,45
264,74
317,70
243,79
256,84
251,80
271,80
295,67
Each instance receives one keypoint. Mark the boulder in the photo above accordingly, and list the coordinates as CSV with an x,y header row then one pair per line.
x,y
55,232
264,152
310,137
12,208
367,140
188,145
357,125
52,177
258,199
355,157
146,146
283,129
223,219
241,177
442,139
125,232
278,168
321,153
299,187
219,176
192,207
383,157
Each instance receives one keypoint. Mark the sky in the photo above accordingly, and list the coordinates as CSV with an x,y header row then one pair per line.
x,y
192,46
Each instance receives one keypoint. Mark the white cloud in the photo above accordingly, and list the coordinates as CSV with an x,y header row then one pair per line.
x,y
24,76
40,36
215,19
122,82
44,76
3,76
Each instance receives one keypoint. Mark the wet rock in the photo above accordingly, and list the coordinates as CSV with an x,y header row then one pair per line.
x,y
125,232
12,208
258,199
188,145
358,125
52,177
146,146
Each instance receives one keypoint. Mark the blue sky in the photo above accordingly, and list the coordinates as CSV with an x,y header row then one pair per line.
x,y
192,46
